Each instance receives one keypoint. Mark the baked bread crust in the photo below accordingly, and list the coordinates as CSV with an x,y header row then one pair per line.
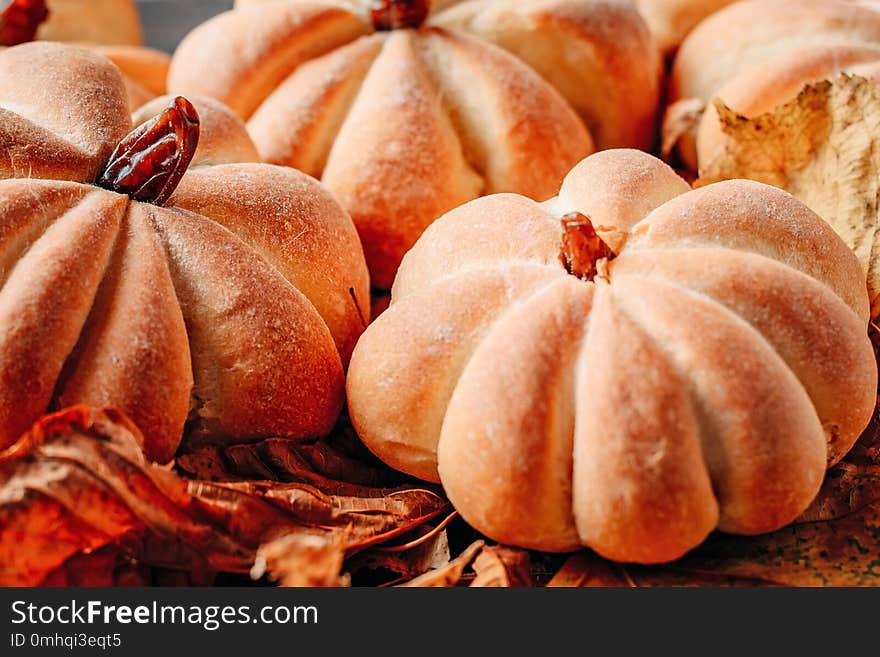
x,y
757,54
671,20
404,126
96,21
195,318
706,381
113,29
144,70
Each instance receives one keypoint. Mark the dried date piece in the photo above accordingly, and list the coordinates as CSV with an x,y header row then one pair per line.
x,y
20,19
399,14
583,251
149,162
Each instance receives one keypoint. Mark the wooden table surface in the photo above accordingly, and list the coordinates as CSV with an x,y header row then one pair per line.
x,y
167,21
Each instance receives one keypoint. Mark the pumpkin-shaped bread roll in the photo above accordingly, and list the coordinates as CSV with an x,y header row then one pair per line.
x,y
115,22
628,366
110,27
757,54
405,114
671,20
221,311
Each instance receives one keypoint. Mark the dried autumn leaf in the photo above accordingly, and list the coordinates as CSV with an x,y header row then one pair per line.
x,y
501,566
427,555
823,148
680,122
336,461
451,573
303,560
51,509
107,566
371,516
425,548
78,482
587,569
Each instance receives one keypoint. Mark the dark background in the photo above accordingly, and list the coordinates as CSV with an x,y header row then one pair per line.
x,y
167,21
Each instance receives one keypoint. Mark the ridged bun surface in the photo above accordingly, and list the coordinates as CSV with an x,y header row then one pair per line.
x,y
225,316
404,125
705,379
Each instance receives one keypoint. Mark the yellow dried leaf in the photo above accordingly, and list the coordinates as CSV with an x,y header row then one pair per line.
x,y
824,148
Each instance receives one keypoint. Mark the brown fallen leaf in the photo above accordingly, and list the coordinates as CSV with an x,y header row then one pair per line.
x,y
106,566
426,548
451,573
303,560
587,569
500,566
78,482
329,464
50,508
824,148
80,506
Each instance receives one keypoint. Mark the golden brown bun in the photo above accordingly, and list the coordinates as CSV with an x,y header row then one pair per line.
x,y
599,54
706,383
224,316
671,20
143,69
404,126
62,112
762,52
755,92
113,29
97,21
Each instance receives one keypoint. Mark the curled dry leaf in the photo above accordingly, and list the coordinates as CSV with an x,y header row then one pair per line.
x,y
680,122
369,518
78,482
492,565
451,573
824,148
587,569
303,560
333,464
497,565
417,559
